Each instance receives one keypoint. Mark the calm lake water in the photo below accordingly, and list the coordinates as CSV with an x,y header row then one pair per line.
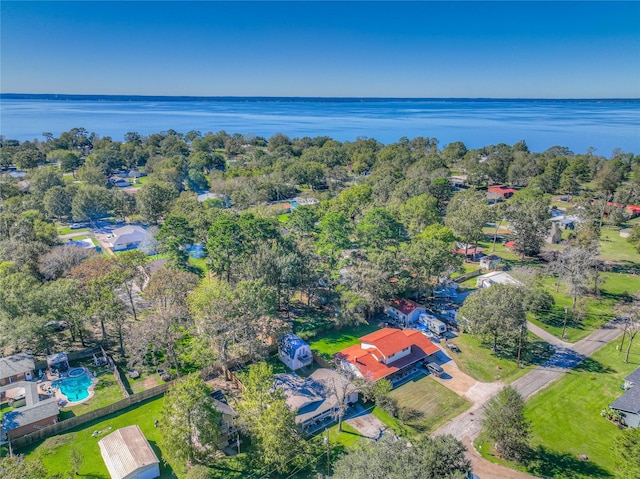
x,y
602,124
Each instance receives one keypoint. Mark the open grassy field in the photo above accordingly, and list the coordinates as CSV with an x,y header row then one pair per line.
x,y
616,248
431,404
330,343
482,364
600,309
566,421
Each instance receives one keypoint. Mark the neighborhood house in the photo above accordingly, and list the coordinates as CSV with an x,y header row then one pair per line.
x,y
404,310
629,403
294,352
227,426
387,353
29,413
18,367
497,277
316,398
127,237
504,191
128,455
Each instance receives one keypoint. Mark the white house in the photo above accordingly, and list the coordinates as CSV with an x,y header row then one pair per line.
x,y
496,277
128,455
294,352
127,237
404,310
490,261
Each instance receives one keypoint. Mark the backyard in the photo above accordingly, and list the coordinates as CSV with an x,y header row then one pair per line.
x,y
331,342
566,421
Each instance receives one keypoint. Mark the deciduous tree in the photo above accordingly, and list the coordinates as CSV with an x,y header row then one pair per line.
x,y
189,424
505,424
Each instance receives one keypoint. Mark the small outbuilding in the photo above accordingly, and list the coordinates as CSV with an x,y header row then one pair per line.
x,y
490,262
294,352
58,361
128,455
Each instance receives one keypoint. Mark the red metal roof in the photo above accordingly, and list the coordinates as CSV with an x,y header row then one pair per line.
x,y
386,342
510,245
501,189
405,306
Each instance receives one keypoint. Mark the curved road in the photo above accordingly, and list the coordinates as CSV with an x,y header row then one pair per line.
x,y
567,356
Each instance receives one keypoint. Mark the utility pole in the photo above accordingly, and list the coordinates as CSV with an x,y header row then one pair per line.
x,y
520,344
564,324
326,442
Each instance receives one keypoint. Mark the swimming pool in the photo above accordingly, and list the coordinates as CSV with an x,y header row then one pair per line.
x,y
74,388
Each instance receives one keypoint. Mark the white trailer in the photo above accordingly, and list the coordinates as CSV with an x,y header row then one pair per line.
x,y
433,324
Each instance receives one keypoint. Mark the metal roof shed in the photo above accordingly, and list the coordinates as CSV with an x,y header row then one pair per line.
x,y
128,455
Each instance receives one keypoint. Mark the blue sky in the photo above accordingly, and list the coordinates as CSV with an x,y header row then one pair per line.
x,y
343,49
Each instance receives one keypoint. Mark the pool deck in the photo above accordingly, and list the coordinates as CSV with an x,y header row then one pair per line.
x,y
45,388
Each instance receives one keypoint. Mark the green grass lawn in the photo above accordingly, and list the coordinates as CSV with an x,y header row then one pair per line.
x,y
600,309
65,230
482,364
616,248
141,181
431,404
566,421
54,451
330,343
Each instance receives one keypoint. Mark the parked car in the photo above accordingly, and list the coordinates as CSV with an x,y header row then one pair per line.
x,y
452,347
77,226
435,369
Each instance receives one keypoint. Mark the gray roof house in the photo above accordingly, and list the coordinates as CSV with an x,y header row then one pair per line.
x,y
31,417
128,455
127,237
312,398
16,368
629,403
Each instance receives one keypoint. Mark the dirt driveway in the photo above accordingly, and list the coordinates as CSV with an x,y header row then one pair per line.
x,y
365,423
463,384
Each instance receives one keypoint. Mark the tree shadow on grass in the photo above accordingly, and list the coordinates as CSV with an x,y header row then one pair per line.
x,y
592,366
544,462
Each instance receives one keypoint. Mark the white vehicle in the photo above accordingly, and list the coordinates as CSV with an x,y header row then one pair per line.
x,y
433,324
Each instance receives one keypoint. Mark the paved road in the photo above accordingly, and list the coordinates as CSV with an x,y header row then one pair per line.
x,y
548,337
468,425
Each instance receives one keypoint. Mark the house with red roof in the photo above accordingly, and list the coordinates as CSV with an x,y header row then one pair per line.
x,y
404,310
387,353
502,190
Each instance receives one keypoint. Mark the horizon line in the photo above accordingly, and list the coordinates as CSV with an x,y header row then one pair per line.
x,y
80,96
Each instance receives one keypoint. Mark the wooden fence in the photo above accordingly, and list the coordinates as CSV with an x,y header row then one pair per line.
x,y
68,424
466,276
72,356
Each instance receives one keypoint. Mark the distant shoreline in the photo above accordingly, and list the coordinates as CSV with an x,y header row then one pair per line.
x,y
276,99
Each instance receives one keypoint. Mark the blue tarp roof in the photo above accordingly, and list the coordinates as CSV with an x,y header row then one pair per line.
x,y
290,343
